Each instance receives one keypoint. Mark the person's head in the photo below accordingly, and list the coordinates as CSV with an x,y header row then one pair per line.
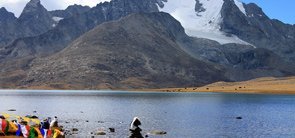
x,y
2,117
136,122
36,125
24,122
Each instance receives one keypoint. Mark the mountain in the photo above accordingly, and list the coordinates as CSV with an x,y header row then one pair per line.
x,y
131,44
71,28
258,29
70,11
5,16
7,19
231,21
34,20
202,18
138,51
256,63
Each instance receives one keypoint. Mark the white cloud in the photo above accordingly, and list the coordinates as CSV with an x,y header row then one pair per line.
x,y
16,6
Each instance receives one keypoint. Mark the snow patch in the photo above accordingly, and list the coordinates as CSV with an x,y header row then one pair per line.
x,y
251,15
57,19
205,24
218,36
190,19
104,11
240,6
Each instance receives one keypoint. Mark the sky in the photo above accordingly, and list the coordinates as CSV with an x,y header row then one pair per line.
x,y
283,10
16,6
276,9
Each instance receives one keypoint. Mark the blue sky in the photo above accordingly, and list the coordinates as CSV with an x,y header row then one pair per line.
x,y
283,10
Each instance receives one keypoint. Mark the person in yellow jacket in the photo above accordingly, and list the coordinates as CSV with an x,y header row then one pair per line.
x,y
12,127
57,134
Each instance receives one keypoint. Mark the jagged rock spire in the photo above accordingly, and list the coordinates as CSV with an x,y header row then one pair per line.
x,y
35,18
32,6
6,15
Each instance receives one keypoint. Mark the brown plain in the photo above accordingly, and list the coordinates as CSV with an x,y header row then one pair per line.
x,y
268,85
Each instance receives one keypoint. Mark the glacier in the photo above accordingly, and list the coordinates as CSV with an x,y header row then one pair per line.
x,y
204,24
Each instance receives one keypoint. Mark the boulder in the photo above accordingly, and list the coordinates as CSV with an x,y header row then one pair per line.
x,y
100,133
158,132
75,129
239,117
112,130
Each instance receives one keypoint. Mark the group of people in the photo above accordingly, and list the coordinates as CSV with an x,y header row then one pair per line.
x,y
30,127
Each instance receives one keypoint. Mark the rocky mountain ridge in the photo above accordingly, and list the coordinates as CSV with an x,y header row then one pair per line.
x,y
70,11
130,44
34,20
122,54
70,28
259,30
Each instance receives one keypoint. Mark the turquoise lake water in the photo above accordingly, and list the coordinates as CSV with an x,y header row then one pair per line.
x,y
181,115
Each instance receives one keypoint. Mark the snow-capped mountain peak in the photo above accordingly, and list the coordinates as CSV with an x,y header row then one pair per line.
x,y
202,18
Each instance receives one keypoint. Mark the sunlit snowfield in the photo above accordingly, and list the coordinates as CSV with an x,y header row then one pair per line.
x,y
180,114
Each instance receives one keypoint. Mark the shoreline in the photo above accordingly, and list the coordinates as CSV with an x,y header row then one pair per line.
x,y
257,86
268,85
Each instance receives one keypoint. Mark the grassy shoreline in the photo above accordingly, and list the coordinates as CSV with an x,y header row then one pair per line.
x,y
257,86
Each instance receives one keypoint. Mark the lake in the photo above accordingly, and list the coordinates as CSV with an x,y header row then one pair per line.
x,y
188,115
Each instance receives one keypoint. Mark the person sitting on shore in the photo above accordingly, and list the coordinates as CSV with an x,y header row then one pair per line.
x,y
54,130
25,128
54,122
135,129
58,133
45,125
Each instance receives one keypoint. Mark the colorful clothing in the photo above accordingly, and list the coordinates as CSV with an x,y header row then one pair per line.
x,y
57,133
12,127
4,126
35,133
25,130
7,127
